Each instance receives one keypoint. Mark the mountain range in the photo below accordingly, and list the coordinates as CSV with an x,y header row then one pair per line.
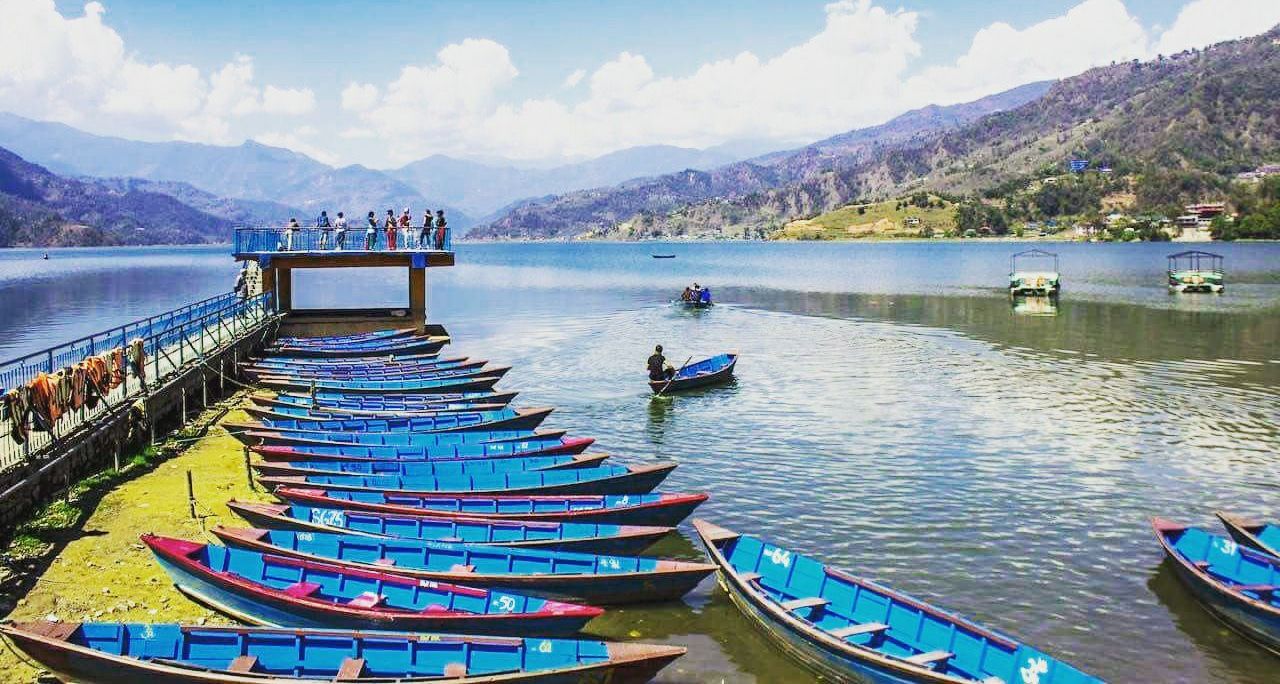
x,y
1209,112
599,209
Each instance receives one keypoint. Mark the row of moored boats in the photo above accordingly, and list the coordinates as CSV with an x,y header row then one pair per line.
x,y
426,530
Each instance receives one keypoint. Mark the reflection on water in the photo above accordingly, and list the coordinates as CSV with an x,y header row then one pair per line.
x,y
1034,306
912,427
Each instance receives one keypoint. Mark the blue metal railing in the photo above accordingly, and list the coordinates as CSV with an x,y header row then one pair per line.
x,y
356,239
170,340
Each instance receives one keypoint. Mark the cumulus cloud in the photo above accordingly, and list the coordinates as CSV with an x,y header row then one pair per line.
x,y
1204,22
77,70
574,78
301,139
359,97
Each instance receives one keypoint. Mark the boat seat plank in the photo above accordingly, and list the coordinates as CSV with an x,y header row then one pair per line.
x,y
455,670
807,602
749,577
302,589
1263,589
854,630
458,567
244,663
367,600
385,562
351,669
929,658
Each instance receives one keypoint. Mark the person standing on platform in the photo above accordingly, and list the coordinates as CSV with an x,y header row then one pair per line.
x,y
406,220
389,225
340,236
322,222
442,229
424,233
286,242
371,233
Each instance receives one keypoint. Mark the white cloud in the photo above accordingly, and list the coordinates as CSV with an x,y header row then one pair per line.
x,y
359,97
1205,22
574,78
301,139
77,70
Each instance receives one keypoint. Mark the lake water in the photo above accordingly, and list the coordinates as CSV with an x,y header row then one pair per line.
x,y
894,414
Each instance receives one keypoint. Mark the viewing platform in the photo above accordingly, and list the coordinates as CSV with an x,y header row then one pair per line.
x,y
278,251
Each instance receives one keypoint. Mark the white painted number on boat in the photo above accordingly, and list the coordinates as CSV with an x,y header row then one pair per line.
x,y
506,604
779,557
331,517
1035,667
1228,547
544,647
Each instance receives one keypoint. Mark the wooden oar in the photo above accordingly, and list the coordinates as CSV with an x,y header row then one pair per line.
x,y
673,375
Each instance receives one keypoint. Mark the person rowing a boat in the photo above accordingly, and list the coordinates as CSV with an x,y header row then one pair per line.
x,y
659,369
687,295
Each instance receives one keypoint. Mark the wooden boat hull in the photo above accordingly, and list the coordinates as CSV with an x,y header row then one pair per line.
x,y
664,581
51,644
258,604
425,345
666,510
357,453
264,406
436,468
503,419
406,441
833,656
1252,618
1249,533
576,537
481,381
679,384
398,403
633,480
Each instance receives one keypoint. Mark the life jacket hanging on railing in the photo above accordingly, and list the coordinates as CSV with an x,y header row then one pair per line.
x,y
138,360
97,380
44,401
17,404
116,364
78,385
65,390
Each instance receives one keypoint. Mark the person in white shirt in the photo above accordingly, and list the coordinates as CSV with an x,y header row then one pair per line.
x,y
340,237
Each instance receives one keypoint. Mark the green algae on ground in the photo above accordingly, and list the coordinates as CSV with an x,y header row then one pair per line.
x,y
104,572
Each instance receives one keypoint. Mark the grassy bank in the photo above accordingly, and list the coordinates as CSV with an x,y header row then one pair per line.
x,y
82,558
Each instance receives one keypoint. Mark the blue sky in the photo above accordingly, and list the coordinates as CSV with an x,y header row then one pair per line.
x,y
382,83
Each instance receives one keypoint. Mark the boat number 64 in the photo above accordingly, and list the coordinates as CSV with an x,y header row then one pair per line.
x,y
779,557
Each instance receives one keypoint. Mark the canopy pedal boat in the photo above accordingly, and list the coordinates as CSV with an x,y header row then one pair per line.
x,y
1195,271
1030,274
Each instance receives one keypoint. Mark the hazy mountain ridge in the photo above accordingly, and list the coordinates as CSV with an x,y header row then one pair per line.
x,y
602,208
40,208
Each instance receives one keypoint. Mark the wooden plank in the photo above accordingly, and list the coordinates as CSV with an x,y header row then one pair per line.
x,y
929,658
749,577
244,663
854,630
808,602
350,669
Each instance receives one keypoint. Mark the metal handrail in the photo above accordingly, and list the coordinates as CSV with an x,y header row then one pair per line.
x,y
326,240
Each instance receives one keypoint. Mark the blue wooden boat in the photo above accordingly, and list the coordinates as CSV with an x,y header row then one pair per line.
x,y
344,361
598,480
354,337
1236,584
611,580
1259,536
412,345
532,446
424,440
271,363
618,509
391,402
339,344
712,371
585,537
363,377
286,591
443,369
850,629
306,412
128,653
435,468
464,381
496,419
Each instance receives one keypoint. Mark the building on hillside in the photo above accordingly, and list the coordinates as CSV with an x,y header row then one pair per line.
x,y
1194,225
1259,173
913,221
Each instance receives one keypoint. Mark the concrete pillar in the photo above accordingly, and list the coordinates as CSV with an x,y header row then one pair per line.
x,y
418,298
284,289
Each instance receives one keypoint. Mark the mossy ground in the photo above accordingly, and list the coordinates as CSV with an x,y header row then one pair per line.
x,y
103,572
886,219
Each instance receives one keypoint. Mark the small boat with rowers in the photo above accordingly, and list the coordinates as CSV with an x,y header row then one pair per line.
x,y
585,537
1259,536
850,629
666,509
1236,584
599,580
273,590
696,297
713,371
610,479
195,654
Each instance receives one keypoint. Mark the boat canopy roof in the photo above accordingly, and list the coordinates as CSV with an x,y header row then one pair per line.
x,y
1193,259
1032,255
